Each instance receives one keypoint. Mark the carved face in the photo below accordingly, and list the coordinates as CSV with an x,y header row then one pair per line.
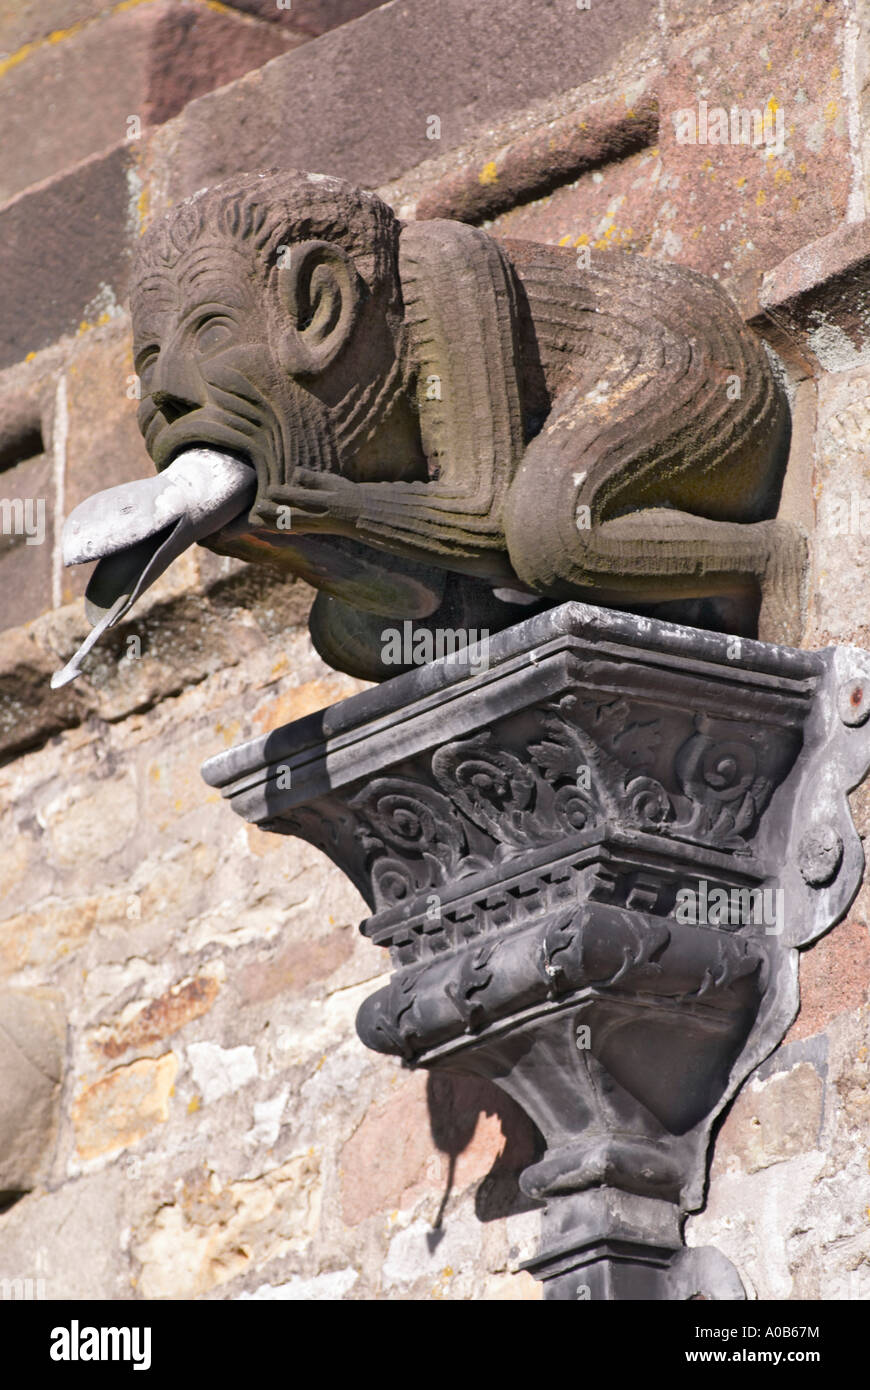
x,y
223,360
203,364
267,357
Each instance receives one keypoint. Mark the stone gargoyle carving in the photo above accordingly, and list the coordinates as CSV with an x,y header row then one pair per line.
x,y
430,424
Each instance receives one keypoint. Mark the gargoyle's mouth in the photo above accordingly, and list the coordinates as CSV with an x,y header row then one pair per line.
x,y
192,429
137,529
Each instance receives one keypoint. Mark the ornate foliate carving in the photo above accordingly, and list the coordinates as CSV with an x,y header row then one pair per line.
x,y
593,864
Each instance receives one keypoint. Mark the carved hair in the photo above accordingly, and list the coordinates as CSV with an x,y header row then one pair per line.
x,y
279,207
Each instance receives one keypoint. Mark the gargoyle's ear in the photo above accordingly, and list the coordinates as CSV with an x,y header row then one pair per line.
x,y
321,291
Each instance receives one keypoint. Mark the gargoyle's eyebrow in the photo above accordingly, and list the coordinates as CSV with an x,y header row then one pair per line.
x,y
154,295
203,282
214,291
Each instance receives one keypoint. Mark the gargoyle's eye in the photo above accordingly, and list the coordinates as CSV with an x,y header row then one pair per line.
x,y
213,333
146,361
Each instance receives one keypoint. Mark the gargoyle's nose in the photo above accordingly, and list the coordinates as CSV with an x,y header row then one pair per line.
x,y
137,529
176,385
172,406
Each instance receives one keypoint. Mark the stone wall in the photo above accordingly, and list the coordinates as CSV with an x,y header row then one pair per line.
x,y
221,1131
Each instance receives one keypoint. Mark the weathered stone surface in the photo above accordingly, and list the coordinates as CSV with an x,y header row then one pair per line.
x,y
679,14
798,1228
69,1238
75,270
834,974
739,207
205,1238
160,55
603,210
27,521
310,17
124,1106
101,439
772,1120
295,967
143,1025
33,940
32,1045
725,208
398,66
180,636
816,299
435,1136
841,548
605,132
25,22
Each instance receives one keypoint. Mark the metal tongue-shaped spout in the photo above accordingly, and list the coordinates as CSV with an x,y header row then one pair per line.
x,y
137,529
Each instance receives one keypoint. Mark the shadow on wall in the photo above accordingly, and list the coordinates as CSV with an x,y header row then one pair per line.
x,y
456,1104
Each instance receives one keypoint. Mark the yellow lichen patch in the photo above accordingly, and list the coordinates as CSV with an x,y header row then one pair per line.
x,y
31,357
741,183
831,111
782,176
85,327
60,36
15,58
142,203
582,239
488,174
564,241
760,198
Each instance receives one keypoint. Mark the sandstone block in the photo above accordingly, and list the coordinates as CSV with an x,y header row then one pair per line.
x,y
433,1135
103,443
32,1043
297,965
90,823
359,102
25,22
215,1232
55,929
738,208
834,975
309,17
772,1120
142,1025
605,132
123,1107
64,253
27,521
68,1238
815,298
160,55
840,553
